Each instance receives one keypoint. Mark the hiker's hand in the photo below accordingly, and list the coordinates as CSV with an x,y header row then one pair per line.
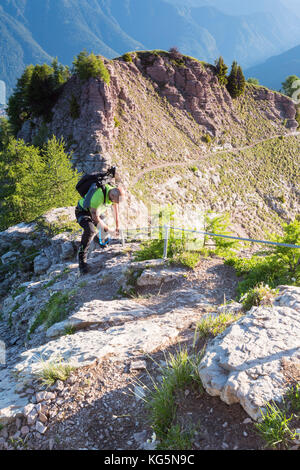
x,y
117,232
105,228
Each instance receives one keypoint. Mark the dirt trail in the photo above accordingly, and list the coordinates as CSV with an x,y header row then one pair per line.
x,y
192,162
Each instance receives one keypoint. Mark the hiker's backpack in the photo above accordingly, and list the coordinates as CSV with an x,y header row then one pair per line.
x,y
100,179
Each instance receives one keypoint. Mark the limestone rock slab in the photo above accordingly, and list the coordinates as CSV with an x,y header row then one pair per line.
x,y
244,364
99,312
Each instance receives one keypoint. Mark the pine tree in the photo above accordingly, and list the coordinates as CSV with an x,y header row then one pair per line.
x,y
236,81
222,70
241,81
33,181
232,85
18,109
36,93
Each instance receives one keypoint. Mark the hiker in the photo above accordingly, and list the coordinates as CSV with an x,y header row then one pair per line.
x,y
90,214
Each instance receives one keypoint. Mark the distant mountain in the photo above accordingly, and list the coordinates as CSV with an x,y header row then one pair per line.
x,y
238,7
205,29
17,49
35,31
275,70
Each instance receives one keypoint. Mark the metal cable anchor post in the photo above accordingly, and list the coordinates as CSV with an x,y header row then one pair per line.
x,y
166,239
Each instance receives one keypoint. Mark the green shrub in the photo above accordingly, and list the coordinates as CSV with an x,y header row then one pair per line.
x,y
127,57
222,70
176,252
207,138
253,81
5,133
218,224
41,137
90,66
298,115
117,122
236,81
259,295
179,243
194,169
278,265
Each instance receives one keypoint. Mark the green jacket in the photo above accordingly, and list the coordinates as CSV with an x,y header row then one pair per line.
x,y
94,199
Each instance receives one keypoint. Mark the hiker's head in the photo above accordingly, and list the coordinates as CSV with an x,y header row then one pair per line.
x,y
116,195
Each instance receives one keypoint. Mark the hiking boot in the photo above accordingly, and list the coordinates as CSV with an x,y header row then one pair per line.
x,y
83,266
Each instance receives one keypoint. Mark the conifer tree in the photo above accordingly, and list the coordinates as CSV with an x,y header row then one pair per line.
x,y
236,81
33,181
222,70
232,85
241,81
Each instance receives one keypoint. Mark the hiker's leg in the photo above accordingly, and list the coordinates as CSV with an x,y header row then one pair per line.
x,y
88,234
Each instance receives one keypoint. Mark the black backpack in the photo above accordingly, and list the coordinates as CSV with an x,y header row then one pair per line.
x,y
100,179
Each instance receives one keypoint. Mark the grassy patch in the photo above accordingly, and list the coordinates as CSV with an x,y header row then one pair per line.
x,y
52,371
57,309
259,295
63,224
275,427
181,371
213,326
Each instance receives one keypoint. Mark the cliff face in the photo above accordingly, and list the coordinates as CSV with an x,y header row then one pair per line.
x,y
189,86
161,111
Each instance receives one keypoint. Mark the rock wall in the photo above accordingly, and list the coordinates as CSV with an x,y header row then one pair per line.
x,y
188,85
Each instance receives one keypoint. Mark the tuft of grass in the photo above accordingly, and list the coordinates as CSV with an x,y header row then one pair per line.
x,y
213,326
278,426
275,426
181,371
117,122
177,438
52,371
293,397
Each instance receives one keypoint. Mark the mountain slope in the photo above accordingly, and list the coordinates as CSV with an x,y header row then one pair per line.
x,y
160,117
17,49
35,32
275,70
65,28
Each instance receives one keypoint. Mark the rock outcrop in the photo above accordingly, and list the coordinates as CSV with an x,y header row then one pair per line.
x,y
245,364
189,86
162,115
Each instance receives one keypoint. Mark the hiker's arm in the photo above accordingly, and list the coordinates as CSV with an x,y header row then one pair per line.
x,y
116,216
97,221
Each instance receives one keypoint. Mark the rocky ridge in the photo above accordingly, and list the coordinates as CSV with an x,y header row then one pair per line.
x,y
163,118
187,84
